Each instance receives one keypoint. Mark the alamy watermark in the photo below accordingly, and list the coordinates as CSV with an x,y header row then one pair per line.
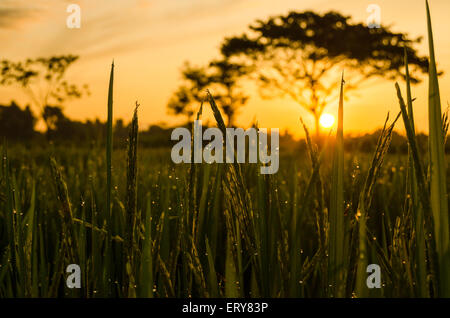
x,y
235,146
374,279
74,279
374,19
73,21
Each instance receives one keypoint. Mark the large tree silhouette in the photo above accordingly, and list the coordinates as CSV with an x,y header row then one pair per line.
x,y
221,77
302,55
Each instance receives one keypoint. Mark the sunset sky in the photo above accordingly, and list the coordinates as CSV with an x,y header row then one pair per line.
x,y
150,40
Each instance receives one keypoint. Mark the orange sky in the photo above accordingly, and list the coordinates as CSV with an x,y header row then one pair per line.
x,y
150,39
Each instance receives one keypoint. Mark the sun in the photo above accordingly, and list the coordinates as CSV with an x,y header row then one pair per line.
x,y
326,120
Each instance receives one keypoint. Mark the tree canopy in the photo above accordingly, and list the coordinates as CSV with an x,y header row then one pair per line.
x,y
221,77
302,55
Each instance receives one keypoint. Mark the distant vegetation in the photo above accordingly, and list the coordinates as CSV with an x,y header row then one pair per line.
x,y
17,125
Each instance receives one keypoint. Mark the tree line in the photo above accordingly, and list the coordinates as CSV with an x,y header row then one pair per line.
x,y
17,125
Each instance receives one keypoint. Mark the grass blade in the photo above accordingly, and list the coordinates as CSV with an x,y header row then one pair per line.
x,y
417,208
438,185
336,262
109,148
131,210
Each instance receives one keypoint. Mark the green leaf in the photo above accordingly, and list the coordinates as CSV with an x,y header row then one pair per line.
x,y
438,185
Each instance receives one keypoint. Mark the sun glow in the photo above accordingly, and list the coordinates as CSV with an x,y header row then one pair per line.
x,y
327,120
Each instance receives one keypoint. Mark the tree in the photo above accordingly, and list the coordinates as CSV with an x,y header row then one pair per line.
x,y
188,96
42,79
53,116
221,77
225,89
302,55
62,128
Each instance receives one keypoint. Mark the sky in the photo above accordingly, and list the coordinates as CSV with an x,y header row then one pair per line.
x,y
150,40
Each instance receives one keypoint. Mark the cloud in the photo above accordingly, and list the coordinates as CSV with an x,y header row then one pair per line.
x,y
11,16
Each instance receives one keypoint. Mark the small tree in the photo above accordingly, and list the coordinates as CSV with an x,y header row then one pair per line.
x,y
302,55
188,96
221,77
53,116
42,79
226,90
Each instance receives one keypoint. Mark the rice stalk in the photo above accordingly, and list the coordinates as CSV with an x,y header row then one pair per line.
x,y
131,210
365,201
420,248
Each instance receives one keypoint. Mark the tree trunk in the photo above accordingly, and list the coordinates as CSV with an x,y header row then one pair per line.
x,y
317,122
230,119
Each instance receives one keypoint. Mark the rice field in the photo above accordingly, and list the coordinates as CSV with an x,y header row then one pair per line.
x,y
139,225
